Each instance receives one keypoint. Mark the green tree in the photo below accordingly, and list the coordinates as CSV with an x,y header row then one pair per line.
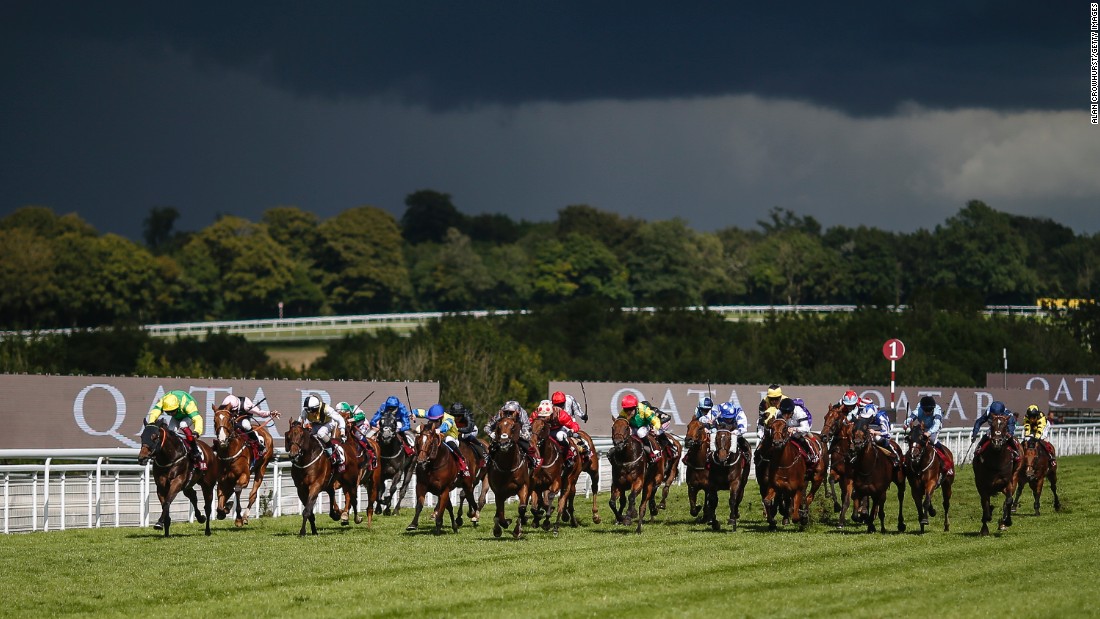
x,y
665,264
158,229
978,250
428,216
362,262
43,221
28,285
451,276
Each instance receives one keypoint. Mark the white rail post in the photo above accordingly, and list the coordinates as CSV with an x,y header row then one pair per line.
x,y
34,502
46,495
117,523
62,514
7,504
98,492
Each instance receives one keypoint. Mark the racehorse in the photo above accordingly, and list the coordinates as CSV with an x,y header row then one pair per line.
x,y
174,472
995,471
729,470
926,470
840,473
313,473
552,477
369,478
508,474
781,472
437,472
671,460
697,444
591,465
477,474
395,463
630,473
835,419
236,463
873,471
1036,468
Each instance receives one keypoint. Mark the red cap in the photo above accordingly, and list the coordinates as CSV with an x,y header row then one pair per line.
x,y
558,398
630,401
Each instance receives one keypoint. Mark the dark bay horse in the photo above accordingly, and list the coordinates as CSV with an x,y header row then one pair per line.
x,y
477,476
591,466
174,472
1035,467
697,445
369,478
926,470
631,473
552,477
873,471
729,471
396,464
835,419
996,471
840,468
313,473
236,464
508,474
437,472
671,461
781,472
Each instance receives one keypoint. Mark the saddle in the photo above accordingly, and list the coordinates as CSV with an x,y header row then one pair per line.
x,y
365,452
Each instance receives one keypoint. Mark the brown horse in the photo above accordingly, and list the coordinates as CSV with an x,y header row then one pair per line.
x,y
926,470
313,473
672,453
174,471
437,472
835,419
729,471
697,444
477,474
591,466
553,476
996,471
508,475
396,464
840,469
1035,468
873,471
781,472
236,463
369,478
631,473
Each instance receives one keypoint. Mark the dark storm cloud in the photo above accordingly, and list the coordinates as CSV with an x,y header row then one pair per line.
x,y
862,58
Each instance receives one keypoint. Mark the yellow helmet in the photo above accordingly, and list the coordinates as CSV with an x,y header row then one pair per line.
x,y
770,414
1033,411
169,403
775,391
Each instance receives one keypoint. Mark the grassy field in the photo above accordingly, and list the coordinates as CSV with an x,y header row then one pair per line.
x,y
1040,567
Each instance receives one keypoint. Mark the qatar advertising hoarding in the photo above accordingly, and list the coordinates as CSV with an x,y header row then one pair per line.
x,y
62,412
1081,391
961,406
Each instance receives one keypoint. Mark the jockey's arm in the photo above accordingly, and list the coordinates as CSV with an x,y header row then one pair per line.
x,y
196,423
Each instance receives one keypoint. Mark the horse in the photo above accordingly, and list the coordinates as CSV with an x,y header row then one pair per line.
x,y
313,473
1035,468
552,477
477,474
781,472
369,478
395,463
630,473
437,472
835,419
174,471
672,453
591,466
872,473
729,470
840,468
697,444
925,469
508,475
995,471
236,463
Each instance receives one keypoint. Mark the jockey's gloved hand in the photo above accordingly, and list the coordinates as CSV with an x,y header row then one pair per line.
x,y
575,434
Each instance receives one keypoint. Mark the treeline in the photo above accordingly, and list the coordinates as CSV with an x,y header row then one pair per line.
x,y
57,271
488,360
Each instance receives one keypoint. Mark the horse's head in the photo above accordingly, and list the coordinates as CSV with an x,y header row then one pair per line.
x,y
778,432
388,424
506,433
998,430
295,441
152,441
540,428
723,446
837,413
918,442
861,436
223,426
620,434
1030,458
427,444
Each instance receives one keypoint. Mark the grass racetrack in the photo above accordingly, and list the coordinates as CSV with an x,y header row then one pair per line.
x,y
1042,566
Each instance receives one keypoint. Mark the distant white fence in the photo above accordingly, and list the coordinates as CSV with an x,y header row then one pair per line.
x,y
111,490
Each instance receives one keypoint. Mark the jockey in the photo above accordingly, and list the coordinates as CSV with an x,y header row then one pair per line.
x,y
569,404
931,416
360,429
996,409
512,409
764,419
1036,426
878,424
467,430
564,429
394,405
705,408
731,418
645,423
664,420
850,401
323,421
772,398
442,423
242,410
798,420
181,414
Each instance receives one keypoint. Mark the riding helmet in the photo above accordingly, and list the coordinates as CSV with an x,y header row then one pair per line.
x,y
392,402
545,408
850,398
458,409
725,409
510,406
774,391
997,408
558,398
312,403
171,402
435,412
1033,411
928,403
786,406
630,401
705,403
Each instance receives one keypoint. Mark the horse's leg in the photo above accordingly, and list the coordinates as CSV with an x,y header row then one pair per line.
x,y
1052,475
693,497
594,483
406,480
189,492
945,489
1006,511
900,483
223,496
208,492
647,492
257,481
613,496
421,491
987,514
451,514
918,500
1016,500
307,511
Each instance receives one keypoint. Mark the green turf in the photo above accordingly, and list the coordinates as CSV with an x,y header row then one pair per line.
x,y
1040,567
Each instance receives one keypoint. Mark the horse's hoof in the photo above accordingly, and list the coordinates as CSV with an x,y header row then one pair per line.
x,y
516,532
474,523
386,512
334,515
411,527
200,518
207,533
358,519
596,518
344,522
458,522
238,523
497,531
221,515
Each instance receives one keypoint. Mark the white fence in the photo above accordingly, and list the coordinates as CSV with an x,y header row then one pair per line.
x,y
110,490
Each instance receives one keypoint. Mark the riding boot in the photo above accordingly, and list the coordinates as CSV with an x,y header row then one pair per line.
x,y
337,458
462,466
654,448
196,456
405,443
533,454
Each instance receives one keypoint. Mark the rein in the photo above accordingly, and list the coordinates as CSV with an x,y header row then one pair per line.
x,y
314,460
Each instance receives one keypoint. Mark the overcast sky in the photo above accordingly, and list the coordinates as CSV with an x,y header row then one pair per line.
x,y
887,114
